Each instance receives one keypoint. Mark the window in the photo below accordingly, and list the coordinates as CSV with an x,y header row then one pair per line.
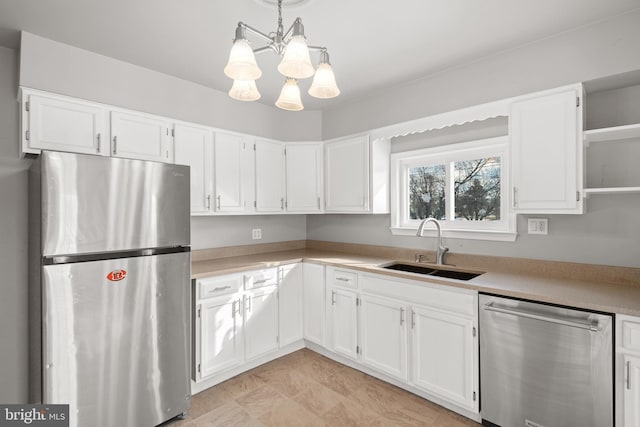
x,y
462,185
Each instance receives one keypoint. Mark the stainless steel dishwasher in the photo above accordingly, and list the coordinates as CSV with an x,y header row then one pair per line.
x,y
544,365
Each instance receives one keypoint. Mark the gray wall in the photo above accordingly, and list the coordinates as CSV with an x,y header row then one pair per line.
x,y
609,233
13,240
599,50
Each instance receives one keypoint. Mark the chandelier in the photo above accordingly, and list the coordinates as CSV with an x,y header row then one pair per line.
x,y
295,65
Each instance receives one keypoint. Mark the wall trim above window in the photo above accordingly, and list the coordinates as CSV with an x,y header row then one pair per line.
x,y
464,185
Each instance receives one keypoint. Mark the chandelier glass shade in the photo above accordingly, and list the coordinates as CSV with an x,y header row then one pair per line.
x,y
294,65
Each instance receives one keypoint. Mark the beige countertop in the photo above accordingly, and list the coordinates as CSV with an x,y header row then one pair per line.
x,y
529,279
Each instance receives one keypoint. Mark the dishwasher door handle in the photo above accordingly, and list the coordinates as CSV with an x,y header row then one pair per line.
x,y
572,323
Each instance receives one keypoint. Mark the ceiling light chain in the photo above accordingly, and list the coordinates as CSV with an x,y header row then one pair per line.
x,y
295,64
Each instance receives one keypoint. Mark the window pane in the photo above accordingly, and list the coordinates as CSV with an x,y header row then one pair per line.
x,y
477,189
426,192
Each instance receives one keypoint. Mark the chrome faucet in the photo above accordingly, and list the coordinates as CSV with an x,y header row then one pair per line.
x,y
440,250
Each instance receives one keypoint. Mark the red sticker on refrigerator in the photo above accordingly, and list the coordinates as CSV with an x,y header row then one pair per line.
x,y
117,275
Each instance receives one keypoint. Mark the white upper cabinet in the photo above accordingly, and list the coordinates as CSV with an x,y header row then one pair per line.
x,y
304,177
140,136
234,172
546,148
61,124
194,148
357,175
270,181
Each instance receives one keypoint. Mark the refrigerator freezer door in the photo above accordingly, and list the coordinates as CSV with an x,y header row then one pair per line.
x,y
116,339
94,204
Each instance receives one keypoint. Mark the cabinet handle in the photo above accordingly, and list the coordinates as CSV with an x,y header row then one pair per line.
x,y
218,289
282,204
233,309
218,202
257,282
515,195
413,319
238,306
115,144
318,203
98,143
333,297
401,316
209,202
248,303
628,375
343,279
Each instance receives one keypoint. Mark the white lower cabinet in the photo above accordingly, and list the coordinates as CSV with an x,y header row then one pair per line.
x,y
290,300
343,313
443,355
219,334
383,335
632,391
260,321
313,303
627,372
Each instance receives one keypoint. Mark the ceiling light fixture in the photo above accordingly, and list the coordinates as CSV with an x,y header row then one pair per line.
x,y
295,64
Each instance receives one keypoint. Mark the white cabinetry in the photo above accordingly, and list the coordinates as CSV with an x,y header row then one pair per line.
x,y
313,302
304,177
270,180
357,175
343,313
383,335
194,148
260,321
140,136
290,300
627,371
63,124
234,172
443,355
546,148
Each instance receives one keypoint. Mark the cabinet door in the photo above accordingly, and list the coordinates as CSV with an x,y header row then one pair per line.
x,y
139,136
233,159
443,355
347,175
632,391
547,154
269,176
313,302
290,303
260,322
62,125
344,322
304,177
220,337
194,148
383,335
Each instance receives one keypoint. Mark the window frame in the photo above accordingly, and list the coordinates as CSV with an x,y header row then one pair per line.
x,y
503,229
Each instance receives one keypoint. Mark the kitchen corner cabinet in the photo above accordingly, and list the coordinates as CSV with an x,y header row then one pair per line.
x,y
627,371
59,123
290,300
193,146
234,173
270,178
260,321
140,136
546,148
357,175
304,177
313,302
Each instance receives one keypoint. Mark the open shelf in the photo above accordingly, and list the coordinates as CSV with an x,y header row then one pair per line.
x,y
612,190
612,134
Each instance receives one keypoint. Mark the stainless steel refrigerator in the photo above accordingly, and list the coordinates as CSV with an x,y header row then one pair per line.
x,y
110,288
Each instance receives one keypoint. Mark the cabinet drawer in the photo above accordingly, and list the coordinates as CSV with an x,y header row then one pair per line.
x,y
342,278
261,278
631,336
218,285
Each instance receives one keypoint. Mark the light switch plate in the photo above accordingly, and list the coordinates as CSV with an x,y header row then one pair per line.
x,y
538,225
256,233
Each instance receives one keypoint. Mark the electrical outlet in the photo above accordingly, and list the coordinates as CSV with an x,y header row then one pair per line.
x,y
538,225
256,233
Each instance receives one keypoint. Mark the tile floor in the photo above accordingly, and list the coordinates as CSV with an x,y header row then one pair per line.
x,y
307,389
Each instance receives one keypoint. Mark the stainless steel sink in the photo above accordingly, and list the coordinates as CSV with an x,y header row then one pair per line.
x,y
432,271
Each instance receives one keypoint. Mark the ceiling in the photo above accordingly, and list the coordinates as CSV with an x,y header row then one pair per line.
x,y
372,43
